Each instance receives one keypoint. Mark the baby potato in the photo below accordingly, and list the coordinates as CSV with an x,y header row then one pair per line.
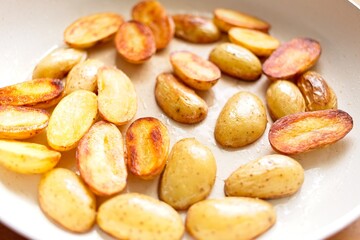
x,y
178,101
83,76
195,29
284,98
261,44
138,216
271,176
153,14
64,198
58,63
147,147
317,93
236,61
189,174
230,218
21,122
97,28
100,159
116,96
71,119
27,158
194,71
135,42
225,19
241,121
292,58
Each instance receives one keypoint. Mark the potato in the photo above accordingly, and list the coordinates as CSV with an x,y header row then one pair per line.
x,y
261,44
292,58
195,29
231,218
64,198
147,147
241,121
31,92
284,98
27,158
58,63
271,176
100,159
97,28
194,71
135,42
225,19
189,174
178,101
83,76
153,14
21,122
116,96
236,61
317,93
71,119
138,216
302,132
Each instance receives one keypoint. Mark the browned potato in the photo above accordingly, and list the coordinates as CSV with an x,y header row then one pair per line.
x,y
153,14
292,58
27,158
135,42
21,122
194,71
87,31
147,145
178,101
302,132
116,96
195,29
31,92
317,93
227,18
100,159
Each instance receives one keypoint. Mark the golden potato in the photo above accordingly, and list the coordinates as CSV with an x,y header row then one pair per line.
x,y
64,198
231,218
116,96
138,216
71,119
100,159
178,101
147,147
58,63
27,158
135,42
97,28
194,71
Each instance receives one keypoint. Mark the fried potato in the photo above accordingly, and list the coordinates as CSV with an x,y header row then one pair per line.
x,y
147,145
71,119
135,42
97,28
27,158
116,96
292,58
64,198
58,63
178,101
194,71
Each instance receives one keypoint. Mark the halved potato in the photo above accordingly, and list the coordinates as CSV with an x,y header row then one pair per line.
x,y
135,42
90,30
194,71
147,145
116,96
27,158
